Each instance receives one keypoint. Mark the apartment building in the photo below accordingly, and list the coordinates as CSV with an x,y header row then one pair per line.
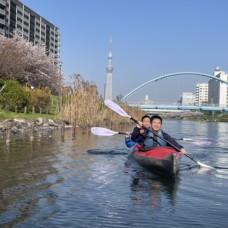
x,y
201,94
217,91
14,15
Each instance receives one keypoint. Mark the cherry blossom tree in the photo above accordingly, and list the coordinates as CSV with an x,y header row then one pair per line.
x,y
28,63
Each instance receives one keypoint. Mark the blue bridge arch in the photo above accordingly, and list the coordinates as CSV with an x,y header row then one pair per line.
x,y
171,75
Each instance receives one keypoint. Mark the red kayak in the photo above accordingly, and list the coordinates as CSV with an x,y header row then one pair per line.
x,y
164,160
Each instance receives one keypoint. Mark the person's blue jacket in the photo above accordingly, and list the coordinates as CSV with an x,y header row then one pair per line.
x,y
129,143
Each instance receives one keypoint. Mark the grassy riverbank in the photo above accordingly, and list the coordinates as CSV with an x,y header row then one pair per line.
x,y
112,117
212,118
12,115
80,117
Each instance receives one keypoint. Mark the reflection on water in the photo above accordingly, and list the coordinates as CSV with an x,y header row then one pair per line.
x,y
106,152
24,168
148,189
57,180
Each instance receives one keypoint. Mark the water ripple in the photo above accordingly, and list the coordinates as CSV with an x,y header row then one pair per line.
x,y
81,182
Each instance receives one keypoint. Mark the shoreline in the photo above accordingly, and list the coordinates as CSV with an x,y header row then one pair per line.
x,y
14,126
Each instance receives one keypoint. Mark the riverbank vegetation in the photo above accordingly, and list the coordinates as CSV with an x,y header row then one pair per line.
x,y
82,105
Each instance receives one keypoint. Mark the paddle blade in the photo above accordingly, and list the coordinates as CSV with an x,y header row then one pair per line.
x,y
103,131
205,166
116,108
203,143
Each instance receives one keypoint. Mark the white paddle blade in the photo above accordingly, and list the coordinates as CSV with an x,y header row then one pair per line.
x,y
205,166
199,142
202,142
116,108
103,131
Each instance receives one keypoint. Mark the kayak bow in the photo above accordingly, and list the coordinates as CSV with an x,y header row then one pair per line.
x,y
164,160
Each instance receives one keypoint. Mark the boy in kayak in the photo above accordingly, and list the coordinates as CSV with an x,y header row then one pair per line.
x,y
147,137
140,134
128,140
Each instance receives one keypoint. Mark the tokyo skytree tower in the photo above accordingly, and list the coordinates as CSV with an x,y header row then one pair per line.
x,y
109,69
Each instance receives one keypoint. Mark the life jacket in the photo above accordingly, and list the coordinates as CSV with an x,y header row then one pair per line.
x,y
153,141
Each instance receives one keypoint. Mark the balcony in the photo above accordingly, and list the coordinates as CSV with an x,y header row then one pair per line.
x,y
2,12
3,2
2,21
2,31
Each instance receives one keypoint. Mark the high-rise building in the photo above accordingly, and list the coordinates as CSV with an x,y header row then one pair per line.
x,y
109,69
217,91
201,93
15,16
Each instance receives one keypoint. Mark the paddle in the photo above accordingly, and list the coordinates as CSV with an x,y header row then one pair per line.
x,y
116,108
107,132
199,142
104,131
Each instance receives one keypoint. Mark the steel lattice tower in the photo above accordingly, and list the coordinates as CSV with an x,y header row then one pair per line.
x,y
109,69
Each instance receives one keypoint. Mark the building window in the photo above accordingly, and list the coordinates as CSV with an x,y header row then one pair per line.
x,y
26,16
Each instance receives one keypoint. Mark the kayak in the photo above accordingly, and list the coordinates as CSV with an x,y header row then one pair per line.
x,y
164,160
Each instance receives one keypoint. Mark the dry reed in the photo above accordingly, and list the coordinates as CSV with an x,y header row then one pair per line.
x,y
82,106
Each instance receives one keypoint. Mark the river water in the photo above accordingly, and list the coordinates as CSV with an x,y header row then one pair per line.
x,y
91,181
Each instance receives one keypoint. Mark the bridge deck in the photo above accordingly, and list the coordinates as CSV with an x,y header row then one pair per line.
x,y
183,107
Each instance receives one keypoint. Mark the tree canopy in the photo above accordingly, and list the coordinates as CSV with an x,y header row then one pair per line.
x,y
27,63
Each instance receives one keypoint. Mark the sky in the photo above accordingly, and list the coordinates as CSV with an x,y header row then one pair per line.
x,y
150,38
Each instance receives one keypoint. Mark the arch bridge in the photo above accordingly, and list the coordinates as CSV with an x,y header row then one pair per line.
x,y
171,75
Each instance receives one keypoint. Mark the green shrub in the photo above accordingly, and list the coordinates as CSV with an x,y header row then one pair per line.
x,y
13,95
39,98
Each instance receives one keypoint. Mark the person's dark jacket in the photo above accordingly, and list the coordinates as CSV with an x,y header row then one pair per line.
x,y
172,141
139,135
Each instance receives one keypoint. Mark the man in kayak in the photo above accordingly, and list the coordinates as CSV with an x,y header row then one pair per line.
x,y
150,135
